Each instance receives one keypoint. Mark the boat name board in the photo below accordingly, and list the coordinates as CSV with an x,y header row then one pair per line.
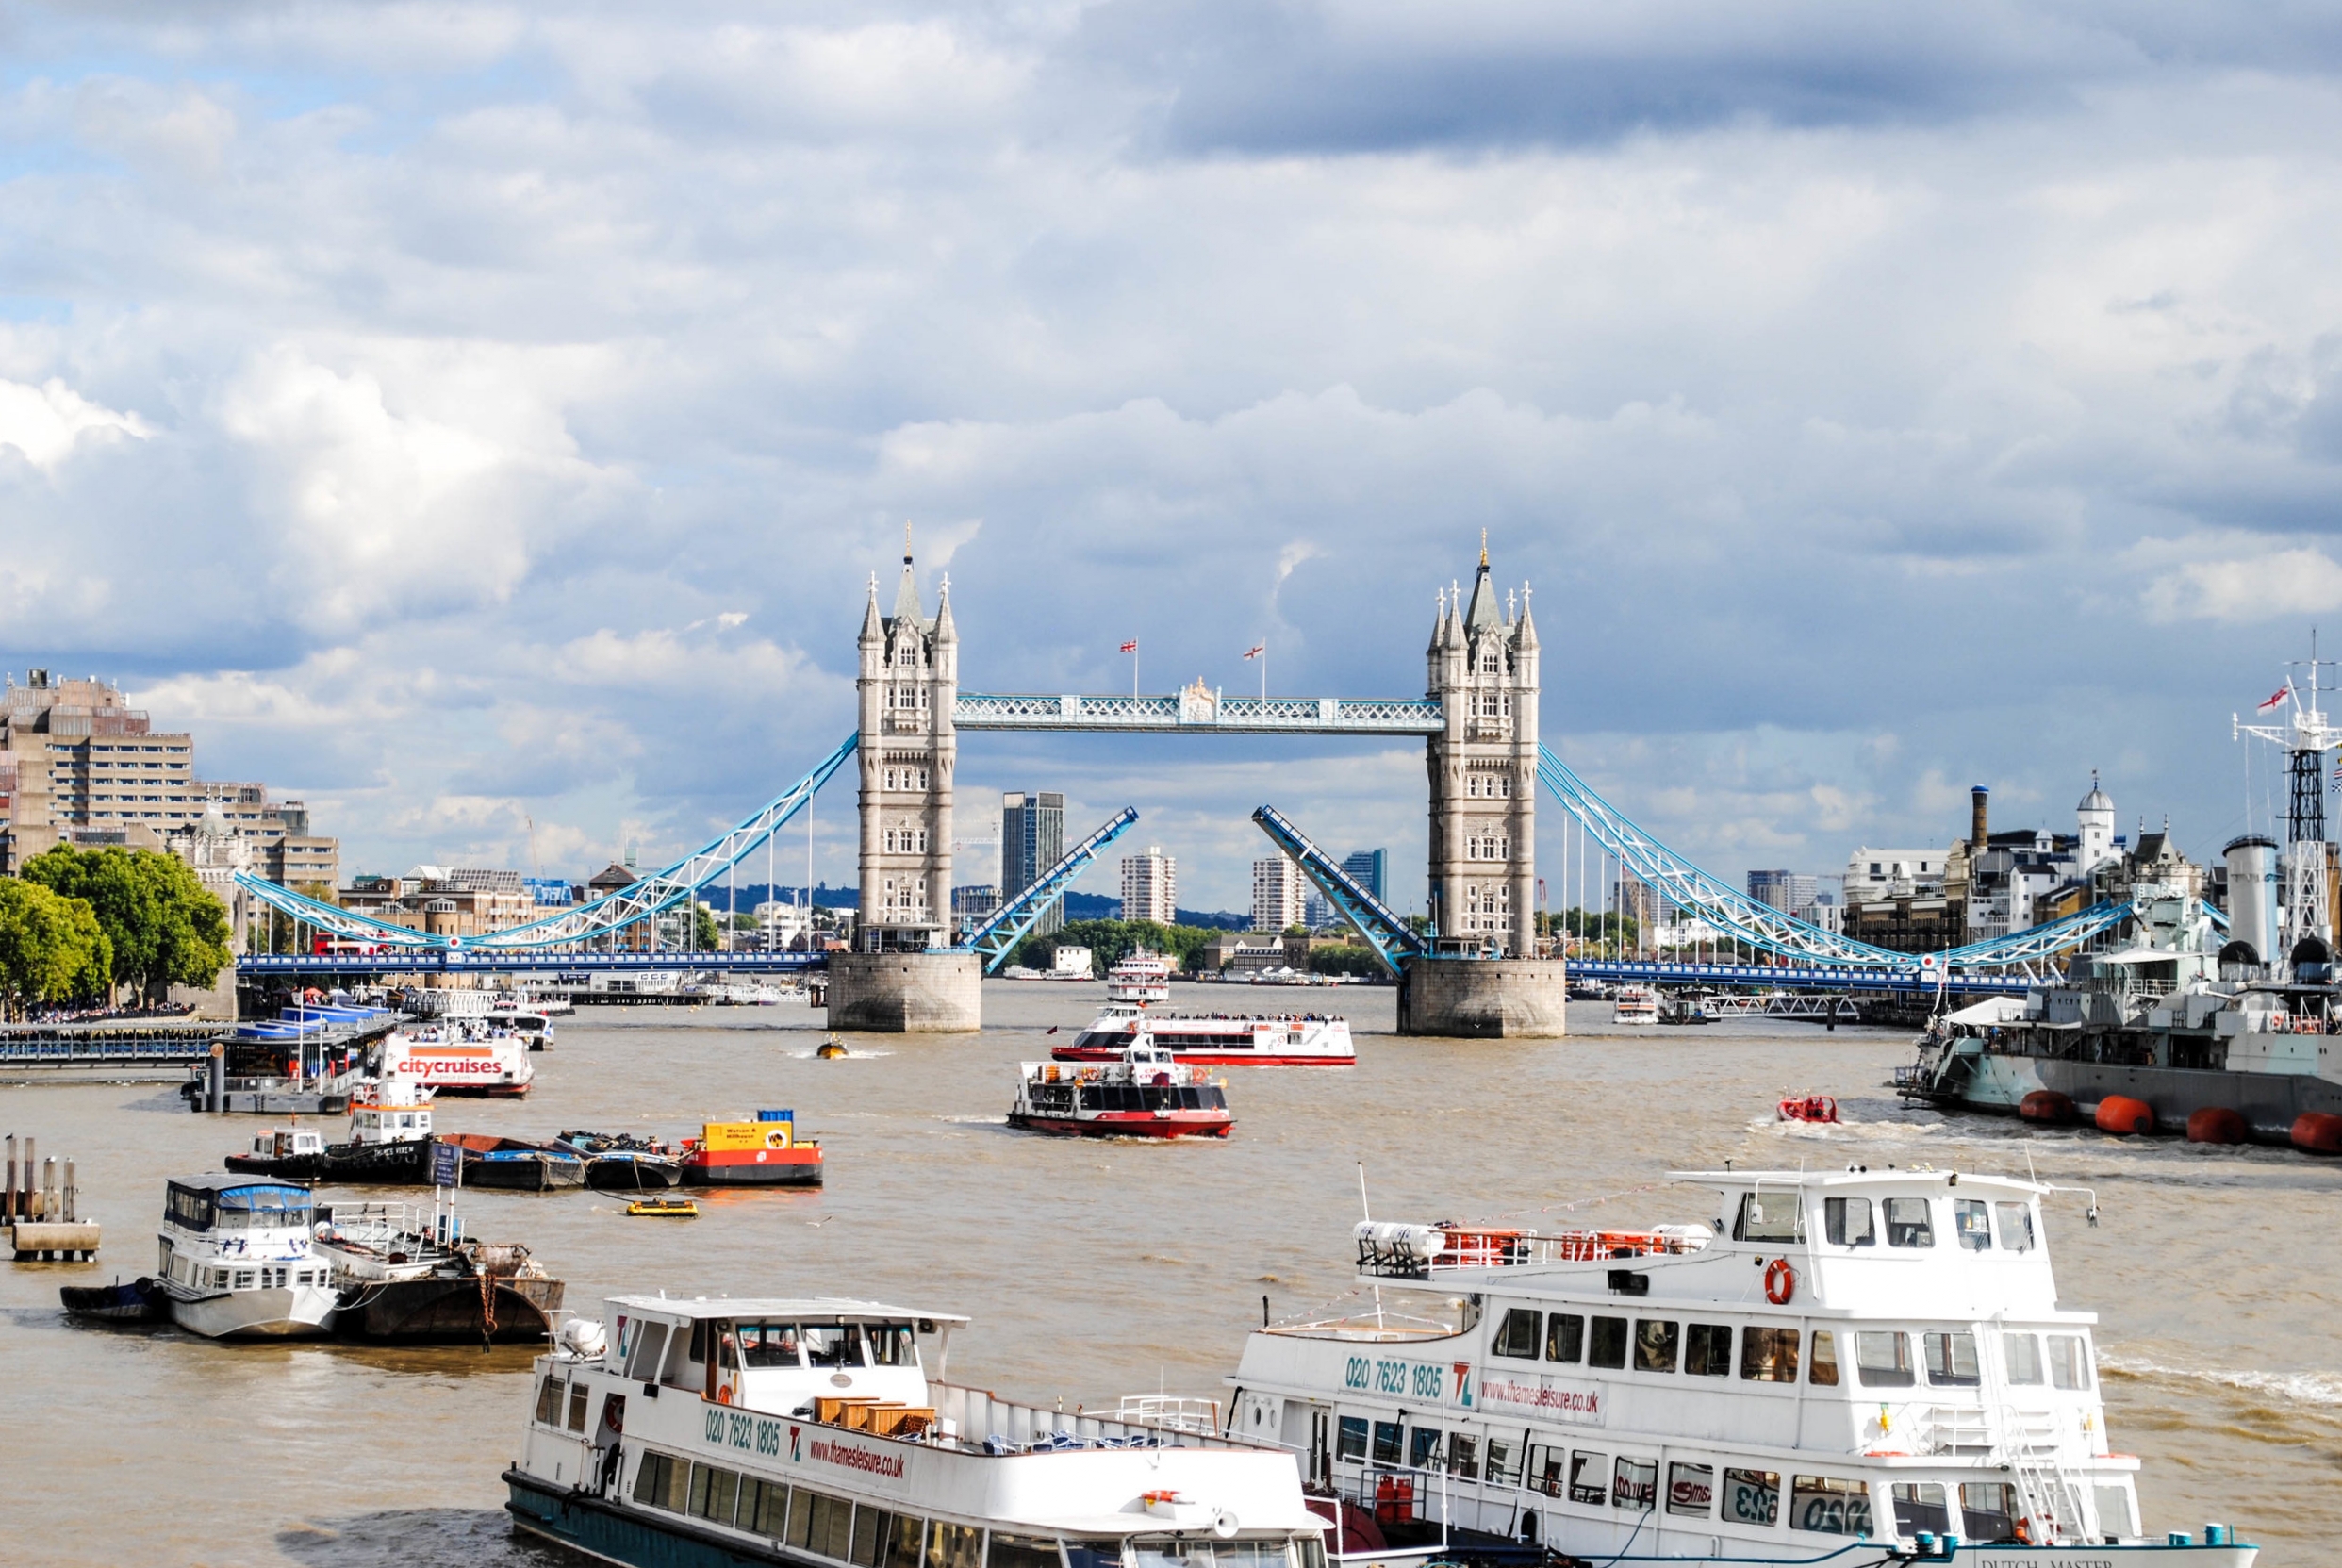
x,y
1578,1404
762,1435
1409,1380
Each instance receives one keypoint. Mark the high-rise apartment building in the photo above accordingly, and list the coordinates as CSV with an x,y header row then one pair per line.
x,y
1788,891
1276,892
1032,839
1150,886
1370,869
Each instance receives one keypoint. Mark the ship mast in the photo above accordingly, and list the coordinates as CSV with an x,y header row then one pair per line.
x,y
2306,737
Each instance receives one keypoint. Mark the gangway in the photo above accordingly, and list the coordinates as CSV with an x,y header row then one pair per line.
x,y
1004,927
1385,934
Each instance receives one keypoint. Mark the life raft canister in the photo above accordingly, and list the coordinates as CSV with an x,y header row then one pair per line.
x,y
1780,1281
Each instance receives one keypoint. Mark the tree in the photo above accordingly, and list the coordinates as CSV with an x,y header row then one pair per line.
x,y
706,937
165,927
52,948
1347,960
1112,941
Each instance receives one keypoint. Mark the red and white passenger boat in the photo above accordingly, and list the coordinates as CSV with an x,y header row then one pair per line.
x,y
1143,979
1218,1039
1142,1093
460,1056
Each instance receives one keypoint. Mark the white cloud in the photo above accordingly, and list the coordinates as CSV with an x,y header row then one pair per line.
x,y
44,423
2252,589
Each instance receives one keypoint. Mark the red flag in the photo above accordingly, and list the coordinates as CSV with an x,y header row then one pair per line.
x,y
2275,698
1255,650
1131,647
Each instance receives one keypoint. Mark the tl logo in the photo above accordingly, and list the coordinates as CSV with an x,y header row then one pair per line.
x,y
1464,1383
797,1449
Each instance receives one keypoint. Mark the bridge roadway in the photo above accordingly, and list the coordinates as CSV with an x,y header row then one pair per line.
x,y
1907,981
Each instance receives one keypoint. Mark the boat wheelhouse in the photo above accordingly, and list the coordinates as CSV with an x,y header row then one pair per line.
x,y
1218,1039
1144,1093
1824,1358
819,1433
234,1258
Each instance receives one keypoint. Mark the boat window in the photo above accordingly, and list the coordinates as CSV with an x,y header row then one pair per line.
x,y
2016,1227
954,1545
1565,1336
1828,1506
1707,1350
1094,1554
1516,1334
1386,1443
1883,1359
243,1278
1463,1455
579,1398
764,1345
1312,1549
892,1344
1920,1506
1972,1222
1908,1224
663,1482
1503,1460
1775,1217
2069,1363
699,1340
1825,1373
820,1522
1017,1551
1544,1470
1609,1343
872,1526
649,1345
1351,1443
714,1493
1988,1511
1589,1478
549,1402
2021,1355
1654,1344
1752,1496
2114,1511
1847,1222
1634,1483
219,1279
768,1512
1768,1355
1952,1358
1691,1490
833,1343
1423,1448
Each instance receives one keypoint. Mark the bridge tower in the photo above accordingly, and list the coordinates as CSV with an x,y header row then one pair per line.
x,y
1483,765
898,978
1483,977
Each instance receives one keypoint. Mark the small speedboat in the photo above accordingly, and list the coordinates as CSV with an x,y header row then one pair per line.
x,y
139,1301
665,1208
832,1049
1808,1108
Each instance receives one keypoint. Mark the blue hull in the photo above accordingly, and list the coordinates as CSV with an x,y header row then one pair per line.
x,y
642,1537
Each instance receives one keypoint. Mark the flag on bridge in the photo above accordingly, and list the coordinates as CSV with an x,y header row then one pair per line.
x,y
1131,647
2275,698
1255,650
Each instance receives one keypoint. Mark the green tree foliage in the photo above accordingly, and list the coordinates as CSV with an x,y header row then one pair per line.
x,y
705,935
1112,941
52,948
1345,961
165,927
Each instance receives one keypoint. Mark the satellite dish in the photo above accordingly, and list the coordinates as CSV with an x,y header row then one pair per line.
x,y
1224,1524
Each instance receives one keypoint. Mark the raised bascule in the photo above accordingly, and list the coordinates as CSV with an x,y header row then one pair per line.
x,y
1473,971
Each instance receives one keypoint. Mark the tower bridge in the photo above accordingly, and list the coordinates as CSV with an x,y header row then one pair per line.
x,y
1473,972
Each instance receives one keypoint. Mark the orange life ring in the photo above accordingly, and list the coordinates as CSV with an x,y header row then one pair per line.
x,y
1780,1281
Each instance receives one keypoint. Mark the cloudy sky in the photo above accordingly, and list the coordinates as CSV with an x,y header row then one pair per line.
x,y
463,416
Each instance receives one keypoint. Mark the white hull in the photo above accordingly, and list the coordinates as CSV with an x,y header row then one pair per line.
x,y
289,1312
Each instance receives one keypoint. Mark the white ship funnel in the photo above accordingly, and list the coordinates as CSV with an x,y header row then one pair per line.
x,y
2253,895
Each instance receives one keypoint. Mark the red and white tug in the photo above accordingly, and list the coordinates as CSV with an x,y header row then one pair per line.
x,y
1142,1093
1808,1108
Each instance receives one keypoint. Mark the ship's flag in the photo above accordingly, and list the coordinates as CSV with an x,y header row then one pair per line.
x,y
1257,649
2275,698
1052,1028
1131,647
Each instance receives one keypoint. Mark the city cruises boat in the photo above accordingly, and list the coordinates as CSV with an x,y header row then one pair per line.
x,y
820,1433
621,1163
1820,1367
765,1152
2174,1032
1143,1093
236,1260
461,1056
1143,979
1217,1039
1634,1004
408,1276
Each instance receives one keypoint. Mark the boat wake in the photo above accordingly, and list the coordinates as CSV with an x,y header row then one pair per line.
x,y
2322,1389
849,1054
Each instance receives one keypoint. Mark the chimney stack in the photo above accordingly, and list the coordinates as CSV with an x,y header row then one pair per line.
x,y
1976,817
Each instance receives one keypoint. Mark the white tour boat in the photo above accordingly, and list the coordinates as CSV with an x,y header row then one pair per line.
x,y
461,1056
534,1029
236,1262
819,1434
1826,1367
1218,1039
1634,1004
1143,979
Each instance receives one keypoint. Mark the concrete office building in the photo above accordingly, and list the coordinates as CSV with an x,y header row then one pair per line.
x,y
1790,891
1032,839
1150,886
1278,886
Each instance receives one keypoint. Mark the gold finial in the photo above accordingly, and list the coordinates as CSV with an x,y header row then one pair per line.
x,y
1483,548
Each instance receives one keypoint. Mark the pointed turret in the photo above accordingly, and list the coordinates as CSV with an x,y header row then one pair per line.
x,y
1483,616
944,630
907,595
1525,634
873,629
1439,621
1451,634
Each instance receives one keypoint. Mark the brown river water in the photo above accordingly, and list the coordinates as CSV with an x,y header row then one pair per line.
x,y
1098,1269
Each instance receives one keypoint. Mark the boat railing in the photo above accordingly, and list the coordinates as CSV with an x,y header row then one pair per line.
x,y
977,1421
1400,1251
379,1226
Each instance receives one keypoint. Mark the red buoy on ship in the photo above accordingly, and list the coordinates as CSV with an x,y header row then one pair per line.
x,y
2122,1116
2319,1131
2217,1124
2046,1106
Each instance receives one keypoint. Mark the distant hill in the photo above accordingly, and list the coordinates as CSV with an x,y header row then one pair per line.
x,y
1097,906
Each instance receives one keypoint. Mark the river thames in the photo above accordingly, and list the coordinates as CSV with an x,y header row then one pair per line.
x,y
1098,1269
